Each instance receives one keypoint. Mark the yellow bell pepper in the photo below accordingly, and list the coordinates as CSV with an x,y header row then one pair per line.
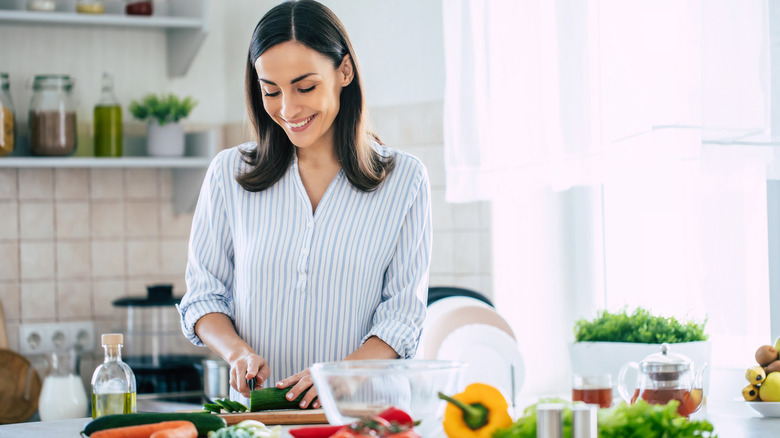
x,y
476,412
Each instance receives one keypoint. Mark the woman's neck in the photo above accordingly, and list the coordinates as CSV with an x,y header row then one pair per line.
x,y
317,156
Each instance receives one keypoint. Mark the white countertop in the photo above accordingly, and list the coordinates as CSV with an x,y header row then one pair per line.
x,y
732,419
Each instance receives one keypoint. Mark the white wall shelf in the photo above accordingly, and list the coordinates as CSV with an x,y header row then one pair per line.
x,y
120,162
184,23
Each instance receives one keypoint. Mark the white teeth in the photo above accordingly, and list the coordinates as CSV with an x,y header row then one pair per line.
x,y
298,125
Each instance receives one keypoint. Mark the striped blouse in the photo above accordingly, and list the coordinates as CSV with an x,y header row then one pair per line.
x,y
301,287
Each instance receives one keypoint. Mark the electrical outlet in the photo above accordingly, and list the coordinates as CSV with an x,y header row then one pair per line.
x,y
48,337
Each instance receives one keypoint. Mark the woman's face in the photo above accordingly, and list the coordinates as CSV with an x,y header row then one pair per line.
x,y
301,91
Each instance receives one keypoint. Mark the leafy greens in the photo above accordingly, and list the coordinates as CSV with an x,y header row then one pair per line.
x,y
639,327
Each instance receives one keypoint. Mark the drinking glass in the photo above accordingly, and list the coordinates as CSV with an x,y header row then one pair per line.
x,y
593,389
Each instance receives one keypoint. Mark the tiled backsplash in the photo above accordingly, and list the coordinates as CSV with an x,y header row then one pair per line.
x,y
74,240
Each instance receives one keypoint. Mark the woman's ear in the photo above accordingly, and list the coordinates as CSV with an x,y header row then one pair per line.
x,y
347,70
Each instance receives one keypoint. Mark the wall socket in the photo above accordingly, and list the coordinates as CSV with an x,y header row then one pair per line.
x,y
48,337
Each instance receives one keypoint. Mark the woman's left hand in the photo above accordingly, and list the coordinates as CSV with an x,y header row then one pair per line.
x,y
301,383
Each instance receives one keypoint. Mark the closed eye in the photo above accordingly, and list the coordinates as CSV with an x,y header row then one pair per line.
x,y
267,94
306,90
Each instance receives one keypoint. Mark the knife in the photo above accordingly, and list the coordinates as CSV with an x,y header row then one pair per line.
x,y
251,383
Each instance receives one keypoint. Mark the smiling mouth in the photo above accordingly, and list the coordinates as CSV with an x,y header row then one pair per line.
x,y
301,124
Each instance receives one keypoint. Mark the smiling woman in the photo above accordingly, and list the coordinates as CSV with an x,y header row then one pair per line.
x,y
313,243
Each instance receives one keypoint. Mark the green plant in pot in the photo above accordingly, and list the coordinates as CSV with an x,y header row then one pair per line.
x,y
610,340
163,114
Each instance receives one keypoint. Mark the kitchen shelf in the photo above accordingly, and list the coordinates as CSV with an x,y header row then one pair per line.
x,y
184,23
121,162
102,20
187,172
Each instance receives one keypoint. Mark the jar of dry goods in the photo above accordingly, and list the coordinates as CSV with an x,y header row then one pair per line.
x,y
90,6
52,116
7,117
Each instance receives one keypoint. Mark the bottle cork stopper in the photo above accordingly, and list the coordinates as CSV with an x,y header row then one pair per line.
x,y
112,339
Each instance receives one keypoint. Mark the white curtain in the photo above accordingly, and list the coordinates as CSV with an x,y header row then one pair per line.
x,y
663,106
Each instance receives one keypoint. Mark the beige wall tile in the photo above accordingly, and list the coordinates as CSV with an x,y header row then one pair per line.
x,y
177,280
466,216
37,260
141,183
174,225
104,292
441,280
9,261
108,258
142,219
442,257
473,282
72,220
71,183
9,215
38,301
174,256
441,211
74,300
12,329
73,259
36,184
9,297
143,257
166,185
36,220
8,188
108,219
467,254
106,184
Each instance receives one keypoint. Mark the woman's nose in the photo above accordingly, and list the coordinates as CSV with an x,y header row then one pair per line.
x,y
290,106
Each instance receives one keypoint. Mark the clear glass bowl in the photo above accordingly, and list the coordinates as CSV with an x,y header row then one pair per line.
x,y
350,390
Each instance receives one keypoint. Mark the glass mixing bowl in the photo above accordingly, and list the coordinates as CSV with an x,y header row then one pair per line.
x,y
351,390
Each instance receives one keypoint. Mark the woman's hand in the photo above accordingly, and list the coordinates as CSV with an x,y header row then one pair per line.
x,y
301,383
245,366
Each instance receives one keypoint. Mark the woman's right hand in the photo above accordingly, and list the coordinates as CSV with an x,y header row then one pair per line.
x,y
248,365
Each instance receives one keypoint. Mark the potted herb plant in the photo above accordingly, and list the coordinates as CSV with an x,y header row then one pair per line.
x,y
609,341
163,114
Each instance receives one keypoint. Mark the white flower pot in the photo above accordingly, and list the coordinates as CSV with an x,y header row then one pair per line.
x,y
165,140
595,358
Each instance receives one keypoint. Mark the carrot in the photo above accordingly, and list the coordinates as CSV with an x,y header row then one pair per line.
x,y
186,430
146,430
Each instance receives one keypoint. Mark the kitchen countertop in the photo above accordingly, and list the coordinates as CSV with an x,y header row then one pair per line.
x,y
732,419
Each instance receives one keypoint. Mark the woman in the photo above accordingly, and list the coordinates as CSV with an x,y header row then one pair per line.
x,y
312,244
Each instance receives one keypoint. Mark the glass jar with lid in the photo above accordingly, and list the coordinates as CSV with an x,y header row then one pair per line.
x,y
52,116
7,117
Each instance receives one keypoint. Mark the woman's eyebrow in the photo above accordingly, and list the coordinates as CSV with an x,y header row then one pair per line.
x,y
298,79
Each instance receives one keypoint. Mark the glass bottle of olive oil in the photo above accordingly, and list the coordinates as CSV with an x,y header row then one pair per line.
x,y
108,121
113,383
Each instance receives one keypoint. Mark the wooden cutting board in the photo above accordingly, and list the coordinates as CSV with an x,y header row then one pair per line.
x,y
20,387
286,416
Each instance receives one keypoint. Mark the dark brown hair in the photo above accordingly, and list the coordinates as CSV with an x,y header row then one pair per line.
x,y
315,26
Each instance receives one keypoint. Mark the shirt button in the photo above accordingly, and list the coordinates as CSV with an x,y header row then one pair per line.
x,y
309,225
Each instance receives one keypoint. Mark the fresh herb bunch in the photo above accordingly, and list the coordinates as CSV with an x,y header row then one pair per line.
x,y
164,108
637,420
638,327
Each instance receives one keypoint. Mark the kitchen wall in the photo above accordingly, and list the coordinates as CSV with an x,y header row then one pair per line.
x,y
73,240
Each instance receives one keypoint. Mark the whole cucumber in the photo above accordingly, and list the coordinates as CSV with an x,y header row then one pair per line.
x,y
205,423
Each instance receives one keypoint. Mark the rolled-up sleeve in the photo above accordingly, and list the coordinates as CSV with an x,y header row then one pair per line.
x,y
398,318
209,275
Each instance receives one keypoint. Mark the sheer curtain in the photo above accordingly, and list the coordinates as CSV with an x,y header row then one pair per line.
x,y
661,110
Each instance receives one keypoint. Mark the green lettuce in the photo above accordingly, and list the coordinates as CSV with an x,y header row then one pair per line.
x,y
639,420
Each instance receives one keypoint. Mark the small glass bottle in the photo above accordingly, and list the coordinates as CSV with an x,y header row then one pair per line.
x,y
113,383
90,6
108,121
52,117
7,117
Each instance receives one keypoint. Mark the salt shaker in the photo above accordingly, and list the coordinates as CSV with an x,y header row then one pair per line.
x,y
584,421
548,420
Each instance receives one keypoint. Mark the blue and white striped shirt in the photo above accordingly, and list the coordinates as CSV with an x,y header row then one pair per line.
x,y
305,288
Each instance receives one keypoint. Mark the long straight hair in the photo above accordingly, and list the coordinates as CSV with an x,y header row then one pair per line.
x,y
315,26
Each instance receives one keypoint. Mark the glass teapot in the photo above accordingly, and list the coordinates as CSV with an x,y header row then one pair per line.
x,y
663,377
